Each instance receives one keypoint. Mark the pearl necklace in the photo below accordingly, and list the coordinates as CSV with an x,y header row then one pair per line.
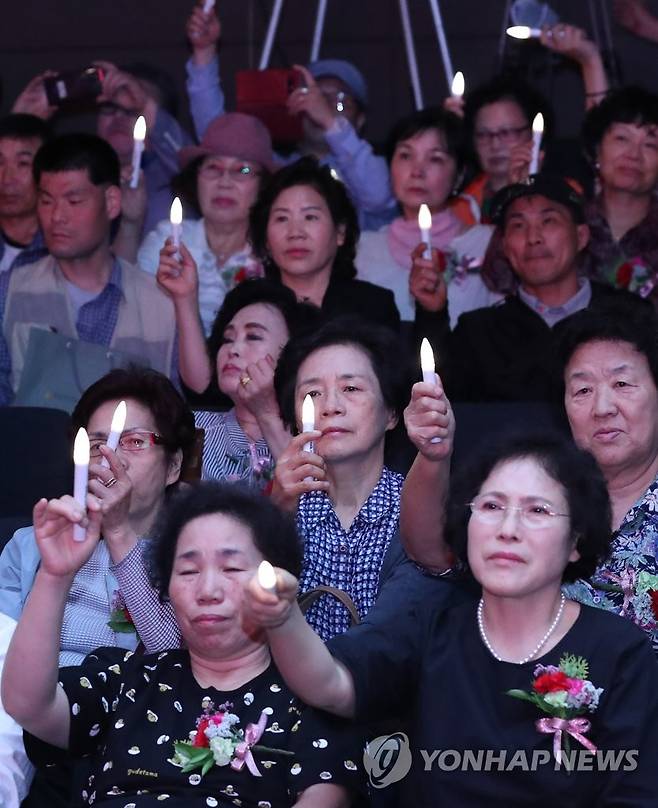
x,y
535,650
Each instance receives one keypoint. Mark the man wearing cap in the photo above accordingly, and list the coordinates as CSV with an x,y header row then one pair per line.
x,y
504,352
332,101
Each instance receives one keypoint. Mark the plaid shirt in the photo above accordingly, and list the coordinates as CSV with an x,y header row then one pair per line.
x,y
35,251
349,560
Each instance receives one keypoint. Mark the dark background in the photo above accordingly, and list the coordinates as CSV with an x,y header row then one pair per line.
x,y
61,34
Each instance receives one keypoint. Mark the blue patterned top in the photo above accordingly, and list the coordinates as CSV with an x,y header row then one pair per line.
x,y
627,581
349,560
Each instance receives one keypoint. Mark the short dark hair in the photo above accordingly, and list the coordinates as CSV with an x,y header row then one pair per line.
x,y
262,290
574,469
625,105
307,171
273,531
21,126
79,151
444,122
629,320
380,344
173,418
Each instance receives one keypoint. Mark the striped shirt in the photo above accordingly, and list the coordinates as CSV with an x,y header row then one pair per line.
x,y
228,454
87,612
349,560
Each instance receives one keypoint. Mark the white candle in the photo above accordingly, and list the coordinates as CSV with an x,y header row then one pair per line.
x,y
116,428
427,361
308,420
81,478
208,6
139,136
537,134
176,219
425,224
523,32
267,577
458,85
428,368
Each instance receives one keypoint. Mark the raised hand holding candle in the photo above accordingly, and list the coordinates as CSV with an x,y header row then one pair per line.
x,y
116,428
308,420
523,32
81,478
428,368
267,577
458,85
425,224
139,136
537,134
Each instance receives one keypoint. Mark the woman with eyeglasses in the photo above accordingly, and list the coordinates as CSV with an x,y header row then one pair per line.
x,y
426,159
131,485
220,180
518,698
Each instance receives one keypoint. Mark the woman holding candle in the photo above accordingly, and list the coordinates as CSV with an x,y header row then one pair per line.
x,y
202,726
220,180
346,499
426,162
131,489
517,700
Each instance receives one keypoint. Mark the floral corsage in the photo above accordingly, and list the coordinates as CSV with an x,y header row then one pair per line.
x,y
566,694
217,741
120,620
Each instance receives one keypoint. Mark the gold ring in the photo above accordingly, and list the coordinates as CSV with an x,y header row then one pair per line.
x,y
112,481
244,380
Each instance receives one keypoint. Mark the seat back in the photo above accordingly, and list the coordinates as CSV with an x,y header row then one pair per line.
x,y
36,461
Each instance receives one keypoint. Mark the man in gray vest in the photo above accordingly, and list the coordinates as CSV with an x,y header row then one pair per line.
x,y
68,318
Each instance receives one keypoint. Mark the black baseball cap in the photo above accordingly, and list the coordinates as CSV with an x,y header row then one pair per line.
x,y
551,186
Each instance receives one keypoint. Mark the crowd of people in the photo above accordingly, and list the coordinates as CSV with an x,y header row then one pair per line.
x,y
464,605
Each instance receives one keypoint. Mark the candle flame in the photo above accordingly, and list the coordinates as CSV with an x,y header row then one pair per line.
x,y
523,32
424,217
266,575
176,213
458,84
139,131
308,414
426,356
119,418
81,448
538,123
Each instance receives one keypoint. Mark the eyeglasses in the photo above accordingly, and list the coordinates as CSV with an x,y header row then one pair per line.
x,y
507,136
533,515
239,173
134,441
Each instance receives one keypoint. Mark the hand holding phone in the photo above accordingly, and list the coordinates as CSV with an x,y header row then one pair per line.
x,y
73,85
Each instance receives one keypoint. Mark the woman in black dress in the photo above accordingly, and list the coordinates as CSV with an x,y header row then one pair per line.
x,y
211,725
525,698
